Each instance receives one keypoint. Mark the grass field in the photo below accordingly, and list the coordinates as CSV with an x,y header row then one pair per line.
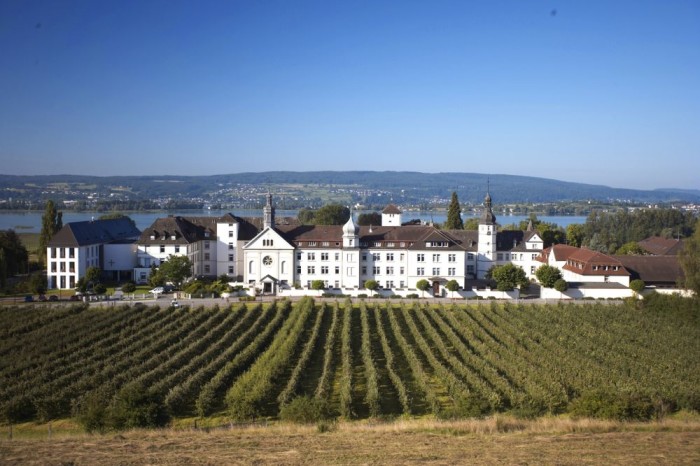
x,y
499,440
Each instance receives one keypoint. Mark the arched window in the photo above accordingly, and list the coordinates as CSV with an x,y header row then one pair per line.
x,y
251,267
283,265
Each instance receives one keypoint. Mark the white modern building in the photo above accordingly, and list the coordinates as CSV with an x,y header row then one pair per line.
x,y
109,245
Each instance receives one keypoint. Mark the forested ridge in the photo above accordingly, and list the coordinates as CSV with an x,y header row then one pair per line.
x,y
354,360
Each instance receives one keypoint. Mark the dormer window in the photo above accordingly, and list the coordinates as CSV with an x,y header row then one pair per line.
x,y
173,236
153,236
206,234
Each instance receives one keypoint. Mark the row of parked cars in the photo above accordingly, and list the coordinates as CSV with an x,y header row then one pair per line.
x,y
29,298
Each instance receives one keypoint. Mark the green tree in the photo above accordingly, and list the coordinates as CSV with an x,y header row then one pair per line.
x,y
136,406
176,269
38,284
508,277
318,285
332,214
561,285
93,275
547,275
472,224
51,222
14,258
371,218
637,286
371,285
690,261
631,248
422,285
454,217
452,286
574,235
156,278
306,216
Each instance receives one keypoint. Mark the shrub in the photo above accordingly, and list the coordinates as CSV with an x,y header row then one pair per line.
x,y
637,286
19,409
304,410
91,411
610,405
129,287
135,406
560,285
412,296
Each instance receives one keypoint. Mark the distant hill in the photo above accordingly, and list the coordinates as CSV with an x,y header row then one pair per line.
x,y
409,187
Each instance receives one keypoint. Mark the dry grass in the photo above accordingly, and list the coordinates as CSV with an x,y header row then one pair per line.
x,y
499,440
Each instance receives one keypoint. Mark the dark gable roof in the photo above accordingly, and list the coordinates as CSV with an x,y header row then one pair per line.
x,y
391,209
589,262
76,234
653,270
661,246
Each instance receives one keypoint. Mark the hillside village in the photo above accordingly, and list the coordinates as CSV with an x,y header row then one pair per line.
x,y
280,257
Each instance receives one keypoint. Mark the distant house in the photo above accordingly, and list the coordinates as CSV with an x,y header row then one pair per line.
x,y
107,244
661,272
660,246
589,273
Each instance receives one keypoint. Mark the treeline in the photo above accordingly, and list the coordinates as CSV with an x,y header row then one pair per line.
x,y
606,232
14,258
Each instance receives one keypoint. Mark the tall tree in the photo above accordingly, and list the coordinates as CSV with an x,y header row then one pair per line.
x,y
332,214
574,234
690,261
176,269
508,277
51,222
454,217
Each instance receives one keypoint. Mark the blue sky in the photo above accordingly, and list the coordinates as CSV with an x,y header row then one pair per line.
x,y
594,92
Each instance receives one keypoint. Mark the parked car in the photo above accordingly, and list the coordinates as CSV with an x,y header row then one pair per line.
x,y
53,297
42,297
174,303
157,290
75,297
29,299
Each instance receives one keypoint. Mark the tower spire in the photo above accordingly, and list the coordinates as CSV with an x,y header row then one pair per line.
x,y
268,212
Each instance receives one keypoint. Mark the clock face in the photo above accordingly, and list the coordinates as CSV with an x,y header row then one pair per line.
x,y
267,260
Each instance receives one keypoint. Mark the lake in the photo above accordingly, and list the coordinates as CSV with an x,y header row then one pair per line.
x,y
30,222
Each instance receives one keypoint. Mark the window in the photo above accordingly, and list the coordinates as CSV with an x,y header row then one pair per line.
x,y
420,271
364,257
325,243
470,256
53,267
53,252
390,245
452,258
336,284
337,269
436,257
230,270
337,257
71,267
312,243
364,270
206,268
389,284
420,257
63,253
177,248
324,256
71,280
162,248
349,257
324,270
251,267
206,256
206,245
350,271
283,266
376,271
71,253
267,261
311,270
298,269
230,246
532,269
230,234
401,256
376,256
390,271
499,256
311,256
436,271
298,256
451,271
62,267
470,269
390,256
63,282
402,271
377,244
